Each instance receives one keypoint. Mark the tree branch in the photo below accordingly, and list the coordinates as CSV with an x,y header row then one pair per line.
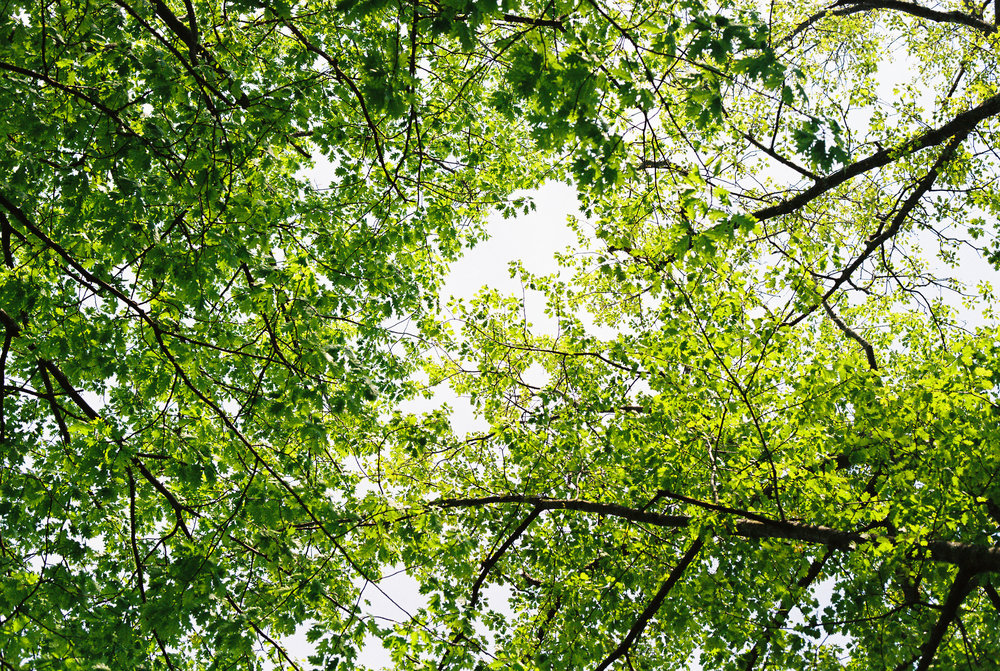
x,y
781,616
854,6
850,333
781,159
845,7
491,562
974,558
539,23
991,593
347,81
949,611
882,236
960,126
653,607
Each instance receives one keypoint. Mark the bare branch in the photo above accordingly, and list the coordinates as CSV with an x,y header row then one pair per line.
x,y
853,335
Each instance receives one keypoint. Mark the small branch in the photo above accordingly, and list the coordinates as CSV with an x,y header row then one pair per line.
x,y
344,79
539,23
780,159
661,164
178,507
163,651
865,345
260,632
491,562
653,607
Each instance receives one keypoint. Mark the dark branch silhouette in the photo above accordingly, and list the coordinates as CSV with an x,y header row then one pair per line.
x,y
654,605
974,558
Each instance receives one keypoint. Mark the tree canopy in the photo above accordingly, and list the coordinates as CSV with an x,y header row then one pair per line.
x,y
761,431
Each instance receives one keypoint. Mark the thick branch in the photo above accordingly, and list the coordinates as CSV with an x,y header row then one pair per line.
x,y
960,126
974,558
845,7
912,8
882,236
187,35
540,23
949,611
991,593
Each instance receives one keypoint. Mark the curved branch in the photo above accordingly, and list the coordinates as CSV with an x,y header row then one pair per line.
x,y
974,558
347,81
846,7
961,18
853,335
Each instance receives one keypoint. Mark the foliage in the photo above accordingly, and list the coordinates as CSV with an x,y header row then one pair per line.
x,y
763,435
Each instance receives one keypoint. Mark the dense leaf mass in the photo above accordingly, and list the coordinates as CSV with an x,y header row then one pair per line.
x,y
758,430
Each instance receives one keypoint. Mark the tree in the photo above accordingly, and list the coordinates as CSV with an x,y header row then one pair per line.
x,y
783,452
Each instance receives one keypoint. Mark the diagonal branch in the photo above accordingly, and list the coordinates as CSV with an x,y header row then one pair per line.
x,y
853,335
491,562
653,607
781,616
882,236
179,508
960,126
779,158
960,589
539,23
